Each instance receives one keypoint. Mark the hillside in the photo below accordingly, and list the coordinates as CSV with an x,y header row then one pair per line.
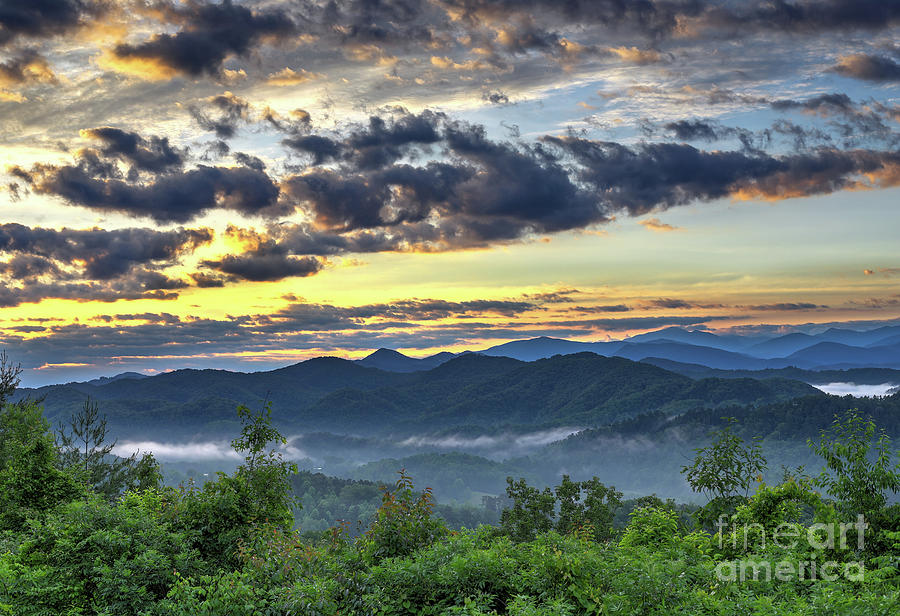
x,y
340,396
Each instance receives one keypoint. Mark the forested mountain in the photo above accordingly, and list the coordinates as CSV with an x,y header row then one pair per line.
x,y
335,395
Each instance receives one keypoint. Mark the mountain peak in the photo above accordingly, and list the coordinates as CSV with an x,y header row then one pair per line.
x,y
384,353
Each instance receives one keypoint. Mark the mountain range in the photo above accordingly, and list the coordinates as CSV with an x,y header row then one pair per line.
x,y
344,397
833,349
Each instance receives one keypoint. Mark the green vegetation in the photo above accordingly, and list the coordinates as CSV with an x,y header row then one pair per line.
x,y
67,546
339,396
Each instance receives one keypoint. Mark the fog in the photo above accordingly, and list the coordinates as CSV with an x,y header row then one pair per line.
x,y
858,391
178,451
506,442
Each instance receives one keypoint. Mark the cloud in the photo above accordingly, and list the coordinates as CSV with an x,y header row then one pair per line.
x,y
222,114
601,308
695,130
654,224
92,264
175,196
153,154
289,77
783,307
885,271
495,98
26,67
45,18
210,33
104,254
263,265
802,16
652,176
635,55
868,67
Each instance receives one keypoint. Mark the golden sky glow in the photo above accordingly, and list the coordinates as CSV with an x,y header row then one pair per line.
x,y
207,183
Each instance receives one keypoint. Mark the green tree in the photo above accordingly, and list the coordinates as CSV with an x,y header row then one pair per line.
x,y
531,512
723,472
225,514
404,522
85,448
859,469
31,482
586,504
9,377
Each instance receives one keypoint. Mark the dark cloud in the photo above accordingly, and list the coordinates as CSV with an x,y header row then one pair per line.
x,y
695,130
26,66
25,266
648,17
651,176
803,16
105,254
824,102
205,281
44,18
754,142
153,154
622,324
221,114
177,196
601,308
250,161
210,33
868,67
381,142
263,265
435,309
668,302
92,264
495,98
107,291
364,22
786,307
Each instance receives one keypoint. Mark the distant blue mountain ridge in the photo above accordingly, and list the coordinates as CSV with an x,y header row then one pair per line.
x,y
833,349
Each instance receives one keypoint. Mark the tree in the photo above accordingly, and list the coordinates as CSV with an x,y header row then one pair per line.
x,y
859,468
586,504
531,512
571,507
404,522
226,514
9,377
31,482
85,449
724,471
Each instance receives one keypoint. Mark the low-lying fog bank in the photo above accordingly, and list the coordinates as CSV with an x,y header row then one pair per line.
x,y
856,390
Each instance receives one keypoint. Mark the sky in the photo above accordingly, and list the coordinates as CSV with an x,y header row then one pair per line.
x,y
247,184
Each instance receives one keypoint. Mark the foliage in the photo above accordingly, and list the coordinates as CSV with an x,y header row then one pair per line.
x,y
404,522
9,378
573,507
226,513
93,557
229,547
859,468
86,450
31,482
723,472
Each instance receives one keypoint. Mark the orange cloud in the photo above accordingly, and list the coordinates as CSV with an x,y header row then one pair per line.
x,y
654,224
447,63
289,77
150,69
635,55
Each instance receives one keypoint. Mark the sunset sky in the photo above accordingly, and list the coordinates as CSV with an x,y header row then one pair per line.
x,y
242,185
